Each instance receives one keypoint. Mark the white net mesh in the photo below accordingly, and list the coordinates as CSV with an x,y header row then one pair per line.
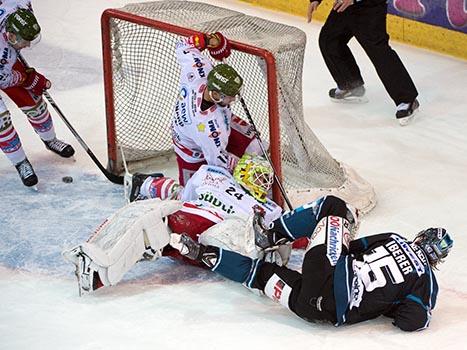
x,y
145,76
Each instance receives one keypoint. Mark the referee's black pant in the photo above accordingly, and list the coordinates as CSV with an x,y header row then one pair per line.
x,y
367,23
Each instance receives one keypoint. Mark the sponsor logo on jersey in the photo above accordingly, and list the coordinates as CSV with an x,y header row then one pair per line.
x,y
175,134
226,119
190,76
212,124
278,288
213,181
193,103
183,93
181,116
358,288
199,67
215,202
334,239
4,59
419,253
215,171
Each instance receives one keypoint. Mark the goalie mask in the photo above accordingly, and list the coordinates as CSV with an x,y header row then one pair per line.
x,y
225,80
436,243
255,174
22,28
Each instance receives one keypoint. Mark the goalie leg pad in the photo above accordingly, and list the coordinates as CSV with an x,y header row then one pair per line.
x,y
135,232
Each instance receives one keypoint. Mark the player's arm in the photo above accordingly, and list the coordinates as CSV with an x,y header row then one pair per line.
x,y
189,55
213,140
412,314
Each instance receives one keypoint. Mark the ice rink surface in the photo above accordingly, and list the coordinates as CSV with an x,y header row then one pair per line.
x,y
419,173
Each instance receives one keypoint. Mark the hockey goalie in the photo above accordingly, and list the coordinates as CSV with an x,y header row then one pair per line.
x,y
214,208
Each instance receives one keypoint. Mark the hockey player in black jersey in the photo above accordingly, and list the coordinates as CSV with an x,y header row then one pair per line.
x,y
342,280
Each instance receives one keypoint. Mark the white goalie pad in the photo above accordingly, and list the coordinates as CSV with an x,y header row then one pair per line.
x,y
234,233
237,234
136,231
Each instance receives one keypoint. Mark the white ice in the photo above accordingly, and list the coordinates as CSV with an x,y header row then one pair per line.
x,y
419,173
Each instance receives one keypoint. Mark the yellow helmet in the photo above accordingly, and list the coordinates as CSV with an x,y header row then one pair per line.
x,y
255,174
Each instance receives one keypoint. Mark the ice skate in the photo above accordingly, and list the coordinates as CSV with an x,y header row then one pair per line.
x,y
406,112
133,183
88,278
59,147
27,174
185,245
355,95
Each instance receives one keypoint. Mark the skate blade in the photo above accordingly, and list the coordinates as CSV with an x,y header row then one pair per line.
x,y
407,120
34,188
351,100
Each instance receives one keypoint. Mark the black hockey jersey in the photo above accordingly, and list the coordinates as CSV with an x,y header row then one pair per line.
x,y
385,275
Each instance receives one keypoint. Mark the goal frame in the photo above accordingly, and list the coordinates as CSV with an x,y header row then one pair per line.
x,y
267,56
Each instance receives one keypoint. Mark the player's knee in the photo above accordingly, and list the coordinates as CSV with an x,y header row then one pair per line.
x,y
333,206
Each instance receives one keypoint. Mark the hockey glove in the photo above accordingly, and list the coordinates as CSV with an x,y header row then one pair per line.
x,y
35,82
218,46
199,41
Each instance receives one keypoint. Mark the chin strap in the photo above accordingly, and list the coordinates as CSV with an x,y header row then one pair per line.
x,y
213,99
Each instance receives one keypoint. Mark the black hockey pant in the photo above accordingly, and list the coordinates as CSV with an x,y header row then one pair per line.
x,y
308,294
368,25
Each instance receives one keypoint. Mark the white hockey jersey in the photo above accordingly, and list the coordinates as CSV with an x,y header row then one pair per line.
x,y
198,135
8,55
215,188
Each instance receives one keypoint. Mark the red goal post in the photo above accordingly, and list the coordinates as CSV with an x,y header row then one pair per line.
x,y
113,155
141,83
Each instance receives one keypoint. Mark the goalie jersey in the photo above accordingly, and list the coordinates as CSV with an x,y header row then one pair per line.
x,y
215,188
385,275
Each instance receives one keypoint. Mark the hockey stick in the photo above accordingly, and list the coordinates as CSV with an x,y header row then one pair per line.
x,y
265,153
112,177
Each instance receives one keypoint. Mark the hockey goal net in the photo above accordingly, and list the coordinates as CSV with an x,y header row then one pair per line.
x,y
141,78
